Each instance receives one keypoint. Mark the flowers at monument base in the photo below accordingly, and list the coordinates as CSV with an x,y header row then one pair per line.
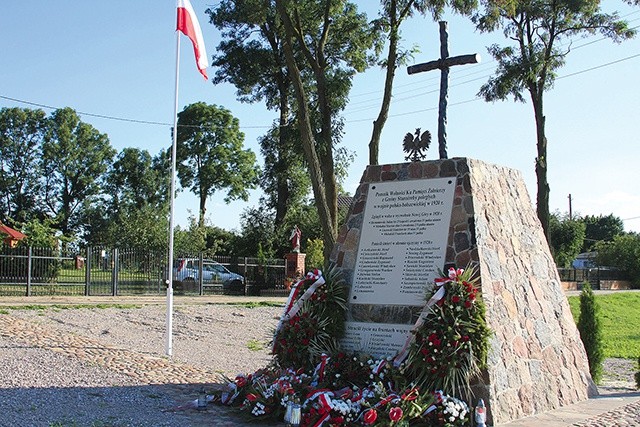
x,y
312,322
330,387
377,399
448,411
451,342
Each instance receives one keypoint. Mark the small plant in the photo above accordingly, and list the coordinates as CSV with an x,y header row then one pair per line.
x,y
255,345
591,331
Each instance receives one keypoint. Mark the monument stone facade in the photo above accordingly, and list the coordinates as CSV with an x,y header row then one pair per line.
x,y
408,221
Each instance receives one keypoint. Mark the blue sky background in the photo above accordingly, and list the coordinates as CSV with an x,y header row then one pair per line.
x,y
117,59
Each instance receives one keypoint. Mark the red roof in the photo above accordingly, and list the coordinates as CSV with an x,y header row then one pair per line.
x,y
14,234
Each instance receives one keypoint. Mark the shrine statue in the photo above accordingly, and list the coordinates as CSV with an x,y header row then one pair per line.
x,y
295,239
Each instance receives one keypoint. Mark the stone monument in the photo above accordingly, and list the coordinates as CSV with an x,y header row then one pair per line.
x,y
409,221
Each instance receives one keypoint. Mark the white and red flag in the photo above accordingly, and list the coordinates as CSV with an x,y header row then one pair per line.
x,y
188,24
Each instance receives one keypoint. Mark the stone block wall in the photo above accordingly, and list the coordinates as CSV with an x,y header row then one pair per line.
x,y
536,360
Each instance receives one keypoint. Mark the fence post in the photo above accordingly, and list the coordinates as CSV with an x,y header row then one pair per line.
x,y
114,272
29,257
87,271
244,274
200,281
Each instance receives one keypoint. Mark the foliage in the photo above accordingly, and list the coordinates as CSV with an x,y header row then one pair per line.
x,y
250,56
40,234
315,255
451,344
620,321
210,156
601,228
591,331
566,237
302,336
190,241
325,43
74,158
21,135
537,30
623,253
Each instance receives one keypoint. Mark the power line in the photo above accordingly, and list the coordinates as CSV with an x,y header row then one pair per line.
x,y
147,122
103,116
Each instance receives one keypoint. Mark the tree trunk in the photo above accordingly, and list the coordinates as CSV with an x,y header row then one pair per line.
x,y
542,200
203,207
392,58
307,139
282,198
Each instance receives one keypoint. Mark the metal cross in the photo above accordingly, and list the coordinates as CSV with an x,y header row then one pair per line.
x,y
444,63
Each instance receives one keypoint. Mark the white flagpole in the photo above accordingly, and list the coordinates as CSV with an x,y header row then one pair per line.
x,y
169,334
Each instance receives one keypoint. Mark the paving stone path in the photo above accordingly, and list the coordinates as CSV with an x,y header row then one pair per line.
x,y
188,379
626,416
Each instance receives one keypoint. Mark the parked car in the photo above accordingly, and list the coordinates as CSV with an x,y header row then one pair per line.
x,y
186,273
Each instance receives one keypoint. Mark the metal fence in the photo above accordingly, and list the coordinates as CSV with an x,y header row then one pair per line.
x,y
102,271
592,275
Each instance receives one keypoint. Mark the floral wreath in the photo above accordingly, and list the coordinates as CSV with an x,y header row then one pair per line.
x,y
311,383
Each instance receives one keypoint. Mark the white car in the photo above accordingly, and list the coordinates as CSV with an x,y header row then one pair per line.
x,y
187,271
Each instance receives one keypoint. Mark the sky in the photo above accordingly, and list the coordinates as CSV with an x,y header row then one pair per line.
x,y
115,63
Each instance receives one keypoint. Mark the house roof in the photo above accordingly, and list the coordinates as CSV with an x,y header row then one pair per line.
x,y
14,234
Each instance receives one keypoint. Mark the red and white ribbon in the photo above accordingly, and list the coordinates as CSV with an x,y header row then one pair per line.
x,y
440,293
319,371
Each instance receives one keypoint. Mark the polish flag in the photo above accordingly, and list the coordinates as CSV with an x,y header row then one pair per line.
x,y
188,24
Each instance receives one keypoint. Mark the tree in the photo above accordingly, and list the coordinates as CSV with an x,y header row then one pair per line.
x,y
394,13
21,135
601,228
75,157
591,331
566,237
210,155
624,253
328,41
251,57
537,28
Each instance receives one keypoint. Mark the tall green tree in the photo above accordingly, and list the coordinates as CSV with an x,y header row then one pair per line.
x,y
566,237
590,329
251,57
536,28
601,228
210,155
133,210
21,134
392,15
75,157
329,41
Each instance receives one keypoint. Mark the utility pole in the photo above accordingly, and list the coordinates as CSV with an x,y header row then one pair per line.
x,y
570,212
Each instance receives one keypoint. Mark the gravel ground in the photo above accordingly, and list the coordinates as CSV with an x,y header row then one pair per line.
x,y
41,388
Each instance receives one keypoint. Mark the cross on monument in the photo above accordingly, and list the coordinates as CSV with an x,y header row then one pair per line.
x,y
444,63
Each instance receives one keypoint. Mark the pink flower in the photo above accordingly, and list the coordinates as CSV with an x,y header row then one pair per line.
x,y
395,414
370,416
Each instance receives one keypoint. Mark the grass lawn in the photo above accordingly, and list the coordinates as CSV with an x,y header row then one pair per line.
x,y
620,320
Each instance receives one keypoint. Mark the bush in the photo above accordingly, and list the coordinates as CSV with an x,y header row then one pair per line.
x,y
591,331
